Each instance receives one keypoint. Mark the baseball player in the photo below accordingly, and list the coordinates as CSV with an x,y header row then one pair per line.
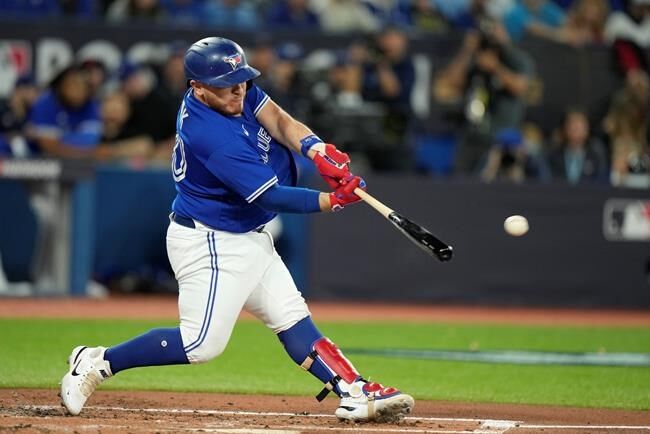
x,y
234,172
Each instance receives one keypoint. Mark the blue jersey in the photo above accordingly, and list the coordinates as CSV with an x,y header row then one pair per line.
x,y
221,164
81,127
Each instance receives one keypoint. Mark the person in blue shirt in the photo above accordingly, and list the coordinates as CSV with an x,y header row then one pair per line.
x,y
235,14
541,18
234,171
293,14
65,121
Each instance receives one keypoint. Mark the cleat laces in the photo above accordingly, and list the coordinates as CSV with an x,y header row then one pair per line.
x,y
89,382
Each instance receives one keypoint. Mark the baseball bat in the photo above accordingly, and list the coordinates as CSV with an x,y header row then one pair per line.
x,y
413,231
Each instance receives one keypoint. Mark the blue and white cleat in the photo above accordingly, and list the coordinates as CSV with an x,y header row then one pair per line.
x,y
88,369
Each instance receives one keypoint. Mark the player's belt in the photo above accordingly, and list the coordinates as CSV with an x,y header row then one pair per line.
x,y
189,223
183,221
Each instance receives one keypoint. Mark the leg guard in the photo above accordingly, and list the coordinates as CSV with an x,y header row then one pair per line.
x,y
318,355
330,355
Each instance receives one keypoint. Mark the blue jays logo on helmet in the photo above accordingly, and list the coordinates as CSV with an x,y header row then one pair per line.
x,y
234,60
217,62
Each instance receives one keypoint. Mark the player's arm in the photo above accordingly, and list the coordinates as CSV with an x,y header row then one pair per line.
x,y
330,162
287,130
279,198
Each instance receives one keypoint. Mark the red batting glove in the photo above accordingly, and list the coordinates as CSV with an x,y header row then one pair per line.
x,y
344,194
333,165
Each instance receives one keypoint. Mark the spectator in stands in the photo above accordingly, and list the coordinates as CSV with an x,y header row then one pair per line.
x,y
345,77
381,9
339,110
578,156
235,14
585,22
294,14
467,14
151,113
135,10
629,33
509,160
340,16
388,77
96,75
32,9
541,18
184,12
421,15
626,125
115,111
489,78
262,57
64,121
288,87
14,112
545,19
172,77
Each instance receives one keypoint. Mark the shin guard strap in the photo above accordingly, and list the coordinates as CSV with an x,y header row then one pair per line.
x,y
309,360
371,406
329,386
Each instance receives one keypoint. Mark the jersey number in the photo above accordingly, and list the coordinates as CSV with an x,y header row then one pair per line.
x,y
179,164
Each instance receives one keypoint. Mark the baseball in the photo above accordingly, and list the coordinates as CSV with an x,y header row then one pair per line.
x,y
516,225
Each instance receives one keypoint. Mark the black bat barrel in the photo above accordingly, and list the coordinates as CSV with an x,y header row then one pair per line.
x,y
422,237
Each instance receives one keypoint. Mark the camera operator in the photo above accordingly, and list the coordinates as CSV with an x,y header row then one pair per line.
x,y
388,76
490,77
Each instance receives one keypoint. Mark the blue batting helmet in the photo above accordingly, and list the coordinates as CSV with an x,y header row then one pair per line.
x,y
217,62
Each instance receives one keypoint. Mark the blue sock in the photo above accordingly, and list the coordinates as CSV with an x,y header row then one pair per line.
x,y
298,341
157,347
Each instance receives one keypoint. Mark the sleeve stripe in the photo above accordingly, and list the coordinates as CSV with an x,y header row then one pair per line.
x,y
261,104
262,189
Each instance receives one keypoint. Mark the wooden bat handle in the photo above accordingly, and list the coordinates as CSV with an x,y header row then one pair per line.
x,y
367,198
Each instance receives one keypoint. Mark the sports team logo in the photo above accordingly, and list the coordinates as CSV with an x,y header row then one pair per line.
x,y
626,220
15,60
233,60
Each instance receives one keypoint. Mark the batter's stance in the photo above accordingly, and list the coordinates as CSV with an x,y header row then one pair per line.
x,y
234,171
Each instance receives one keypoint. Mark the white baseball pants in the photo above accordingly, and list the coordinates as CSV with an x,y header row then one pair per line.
x,y
219,274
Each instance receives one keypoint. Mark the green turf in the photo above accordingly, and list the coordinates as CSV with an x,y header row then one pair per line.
x,y
32,354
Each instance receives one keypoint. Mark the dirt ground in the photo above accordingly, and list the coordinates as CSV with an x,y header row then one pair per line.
x,y
38,411
165,307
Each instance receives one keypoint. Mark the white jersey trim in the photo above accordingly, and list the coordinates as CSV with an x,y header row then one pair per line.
x,y
262,189
261,104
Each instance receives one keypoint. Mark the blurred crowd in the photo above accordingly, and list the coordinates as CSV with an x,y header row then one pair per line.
x,y
361,97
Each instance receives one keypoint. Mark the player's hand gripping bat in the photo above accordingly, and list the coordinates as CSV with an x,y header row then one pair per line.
x,y
413,231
